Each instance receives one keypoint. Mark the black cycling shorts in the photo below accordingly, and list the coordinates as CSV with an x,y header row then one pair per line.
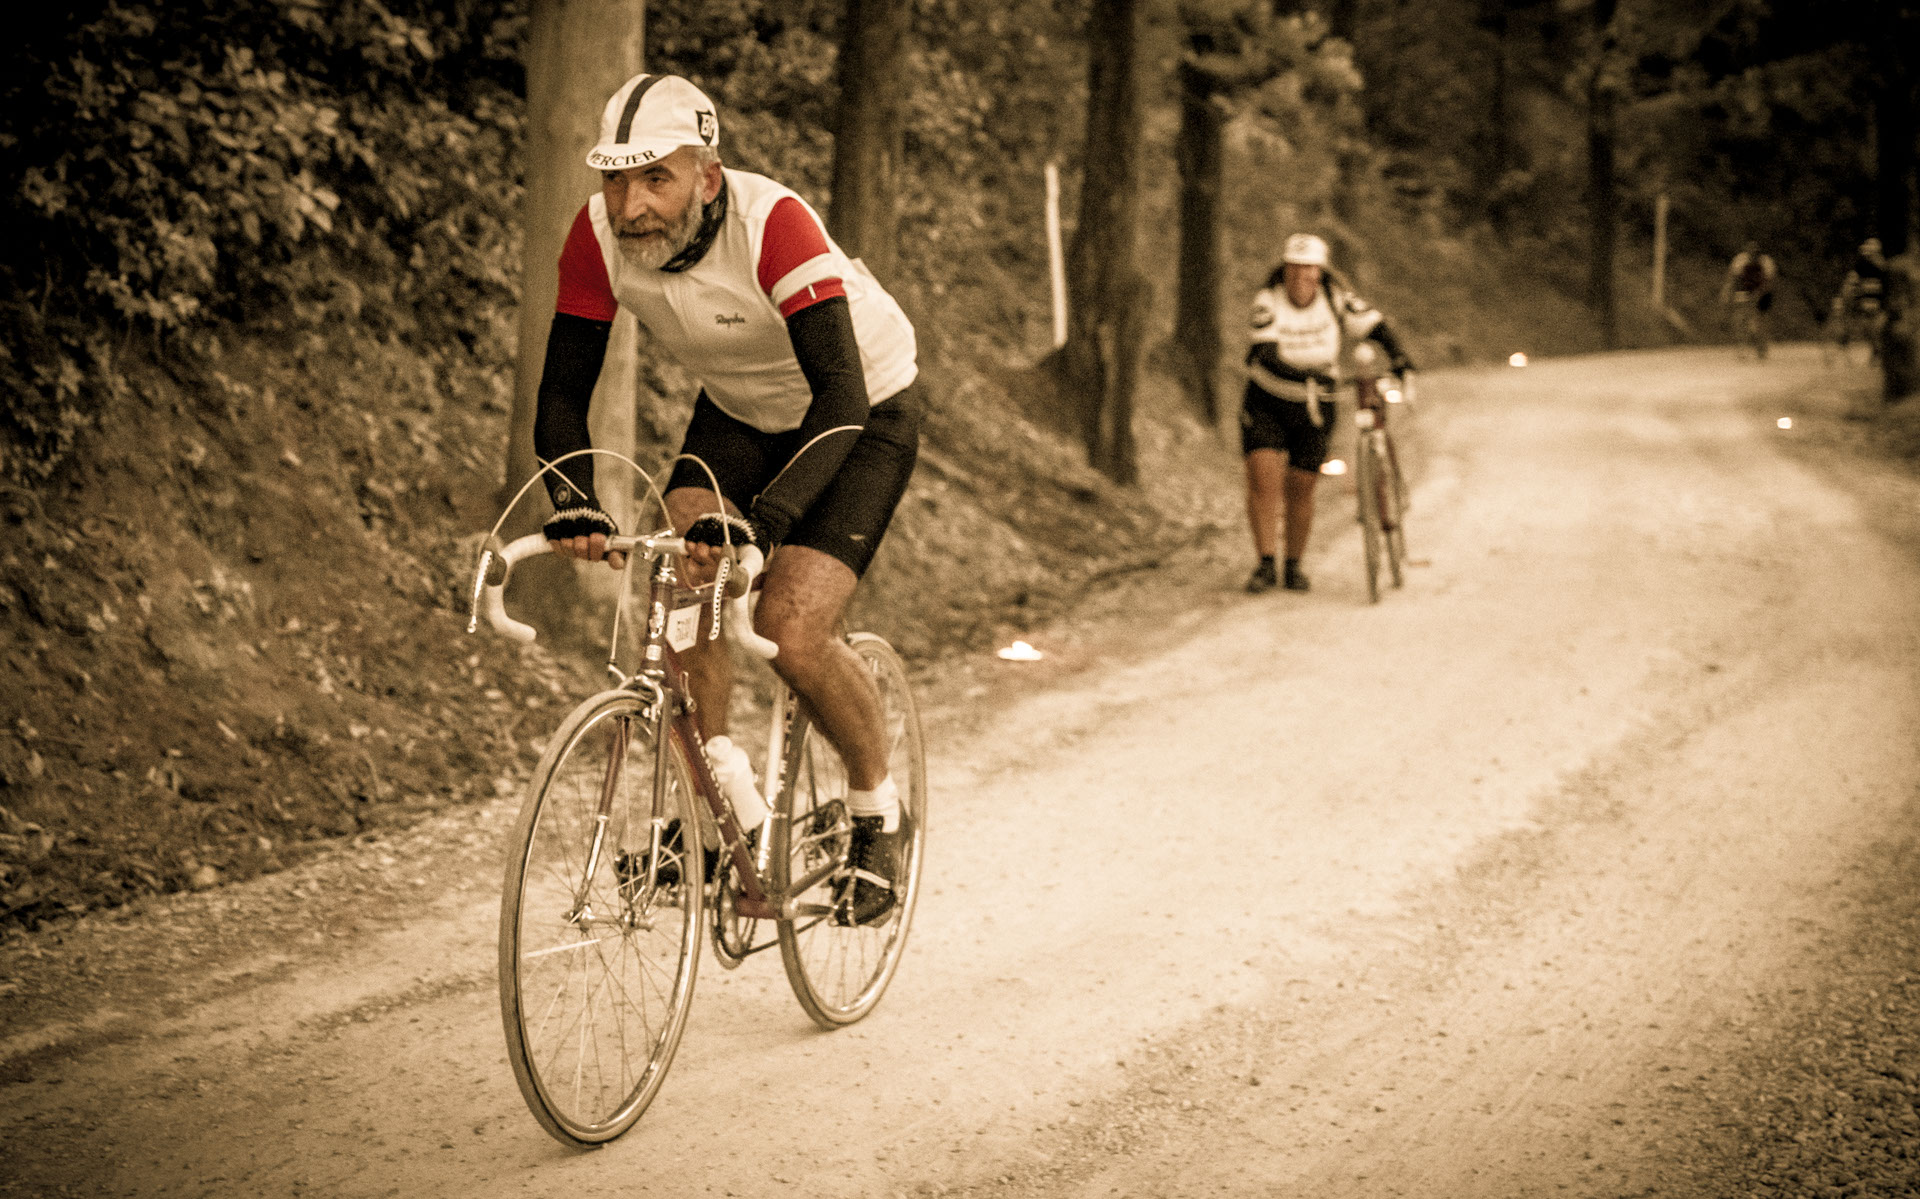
x,y
852,514
1270,423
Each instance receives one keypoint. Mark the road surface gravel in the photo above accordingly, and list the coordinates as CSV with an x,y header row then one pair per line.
x,y
1585,865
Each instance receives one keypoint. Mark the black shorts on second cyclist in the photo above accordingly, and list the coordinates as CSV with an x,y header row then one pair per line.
x,y
1270,423
852,514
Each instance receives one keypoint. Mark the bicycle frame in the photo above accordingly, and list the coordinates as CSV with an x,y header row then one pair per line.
x,y
672,711
1372,420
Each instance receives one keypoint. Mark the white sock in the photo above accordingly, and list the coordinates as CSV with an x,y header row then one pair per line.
x,y
883,801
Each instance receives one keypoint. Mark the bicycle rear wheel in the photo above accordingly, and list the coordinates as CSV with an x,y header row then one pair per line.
x,y
839,973
1367,473
600,930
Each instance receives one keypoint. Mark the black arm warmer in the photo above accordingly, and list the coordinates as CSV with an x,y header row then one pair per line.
x,y
1391,345
1266,354
576,348
823,342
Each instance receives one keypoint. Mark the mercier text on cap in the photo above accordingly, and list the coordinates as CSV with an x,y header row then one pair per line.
x,y
650,117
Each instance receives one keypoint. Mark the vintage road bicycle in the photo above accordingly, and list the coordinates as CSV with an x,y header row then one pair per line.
x,y
627,854
1379,485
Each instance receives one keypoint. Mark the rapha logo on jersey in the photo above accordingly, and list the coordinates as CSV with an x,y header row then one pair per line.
x,y
706,124
721,319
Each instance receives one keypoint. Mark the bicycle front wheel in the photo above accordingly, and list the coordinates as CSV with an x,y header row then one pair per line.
x,y
1393,492
600,921
839,972
1367,479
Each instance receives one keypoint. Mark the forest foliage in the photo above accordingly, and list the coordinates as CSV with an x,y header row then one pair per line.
x,y
274,164
185,169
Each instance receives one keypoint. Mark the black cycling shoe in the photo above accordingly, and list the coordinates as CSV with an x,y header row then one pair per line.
x,y
1262,579
873,859
630,867
1297,578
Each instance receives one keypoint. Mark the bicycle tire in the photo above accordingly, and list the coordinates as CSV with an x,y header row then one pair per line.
x,y
1366,475
1394,489
839,973
596,970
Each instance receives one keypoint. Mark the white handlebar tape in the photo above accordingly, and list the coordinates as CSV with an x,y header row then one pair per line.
x,y
518,549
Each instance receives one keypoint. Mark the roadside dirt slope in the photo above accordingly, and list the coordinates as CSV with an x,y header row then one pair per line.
x,y
1506,886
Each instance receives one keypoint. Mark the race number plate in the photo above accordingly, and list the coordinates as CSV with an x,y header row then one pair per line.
x,y
683,626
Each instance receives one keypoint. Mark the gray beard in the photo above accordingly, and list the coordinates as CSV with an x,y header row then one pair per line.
x,y
653,253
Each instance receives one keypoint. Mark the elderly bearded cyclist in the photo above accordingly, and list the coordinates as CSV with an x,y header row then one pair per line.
x,y
1301,320
807,415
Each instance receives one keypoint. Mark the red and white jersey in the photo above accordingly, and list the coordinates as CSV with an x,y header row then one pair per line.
x,y
724,318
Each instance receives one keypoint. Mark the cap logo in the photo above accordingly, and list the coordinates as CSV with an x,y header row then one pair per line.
x,y
708,126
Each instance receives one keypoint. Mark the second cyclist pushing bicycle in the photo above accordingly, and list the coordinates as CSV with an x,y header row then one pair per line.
x,y
808,414
1302,321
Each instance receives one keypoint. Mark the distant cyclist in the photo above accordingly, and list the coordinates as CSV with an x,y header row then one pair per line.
x,y
1858,309
808,415
1302,320
1749,288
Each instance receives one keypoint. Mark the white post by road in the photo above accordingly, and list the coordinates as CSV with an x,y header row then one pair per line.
x,y
1056,262
1660,252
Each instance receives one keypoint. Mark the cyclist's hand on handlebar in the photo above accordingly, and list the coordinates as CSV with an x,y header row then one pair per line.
x,y
582,533
707,537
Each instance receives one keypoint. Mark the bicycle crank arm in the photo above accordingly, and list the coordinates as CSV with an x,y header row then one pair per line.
x,y
791,908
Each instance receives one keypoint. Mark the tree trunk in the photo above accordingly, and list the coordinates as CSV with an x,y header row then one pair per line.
x,y
1097,367
866,143
1342,17
1201,149
1602,195
1497,157
579,52
1893,121
1900,341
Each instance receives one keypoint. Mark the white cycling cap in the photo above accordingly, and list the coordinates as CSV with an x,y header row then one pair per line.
x,y
1304,249
649,118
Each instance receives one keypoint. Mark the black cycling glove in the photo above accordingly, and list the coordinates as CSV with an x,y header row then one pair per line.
x,y
582,520
717,530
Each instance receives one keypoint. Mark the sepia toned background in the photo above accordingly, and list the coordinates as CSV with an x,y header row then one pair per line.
x,y
1583,864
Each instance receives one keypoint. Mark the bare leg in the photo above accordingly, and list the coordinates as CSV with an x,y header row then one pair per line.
x,y
1264,468
1299,491
806,592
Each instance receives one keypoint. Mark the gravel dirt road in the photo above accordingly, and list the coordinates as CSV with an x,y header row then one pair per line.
x,y
1584,865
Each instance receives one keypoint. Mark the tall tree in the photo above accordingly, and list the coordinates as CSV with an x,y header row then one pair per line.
x,y
866,142
578,53
1497,153
1894,153
1098,367
1893,128
1603,215
1233,47
1201,151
